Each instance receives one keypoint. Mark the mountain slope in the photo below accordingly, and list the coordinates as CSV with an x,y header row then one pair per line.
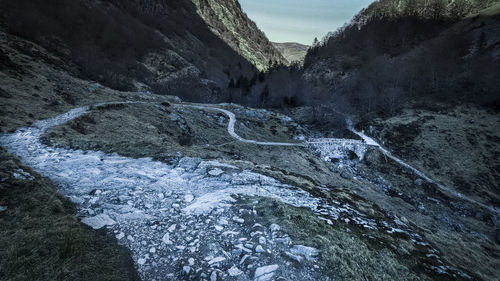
x,y
376,70
293,52
226,19
161,46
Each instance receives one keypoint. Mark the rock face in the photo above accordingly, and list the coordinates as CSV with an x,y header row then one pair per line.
x,y
226,19
193,52
307,252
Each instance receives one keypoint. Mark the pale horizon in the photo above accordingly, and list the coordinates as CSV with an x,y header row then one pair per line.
x,y
299,21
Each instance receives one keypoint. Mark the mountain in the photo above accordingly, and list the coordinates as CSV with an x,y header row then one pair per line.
x,y
378,159
160,46
383,59
293,52
227,20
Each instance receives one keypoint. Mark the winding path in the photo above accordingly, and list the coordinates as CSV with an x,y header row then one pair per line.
x,y
384,151
231,125
174,216
146,201
366,140
72,114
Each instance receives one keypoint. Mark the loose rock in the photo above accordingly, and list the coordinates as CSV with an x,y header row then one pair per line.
x,y
215,172
234,271
265,273
99,221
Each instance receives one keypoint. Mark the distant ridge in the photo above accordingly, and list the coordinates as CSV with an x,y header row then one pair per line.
x,y
293,52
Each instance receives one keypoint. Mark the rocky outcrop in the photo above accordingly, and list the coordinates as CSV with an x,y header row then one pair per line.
x,y
227,20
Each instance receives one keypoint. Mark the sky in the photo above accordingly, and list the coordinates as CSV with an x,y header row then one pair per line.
x,y
301,20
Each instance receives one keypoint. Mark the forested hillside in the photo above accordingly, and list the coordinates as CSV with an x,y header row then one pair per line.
x,y
391,53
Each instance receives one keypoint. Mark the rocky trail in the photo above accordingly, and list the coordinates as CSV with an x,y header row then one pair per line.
x,y
369,141
181,221
330,148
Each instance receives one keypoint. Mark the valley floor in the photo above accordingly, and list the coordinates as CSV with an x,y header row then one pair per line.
x,y
191,200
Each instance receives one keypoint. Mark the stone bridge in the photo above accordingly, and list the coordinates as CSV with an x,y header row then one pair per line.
x,y
332,148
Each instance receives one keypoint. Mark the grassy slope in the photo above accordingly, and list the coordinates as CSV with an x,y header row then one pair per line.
x,y
42,239
458,147
40,236
347,252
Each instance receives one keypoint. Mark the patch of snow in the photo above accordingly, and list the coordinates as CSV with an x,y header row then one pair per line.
x,y
208,202
262,240
274,227
166,239
259,249
238,219
188,198
172,228
296,258
94,87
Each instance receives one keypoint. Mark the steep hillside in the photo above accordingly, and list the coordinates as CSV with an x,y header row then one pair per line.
x,y
293,52
226,19
161,46
445,58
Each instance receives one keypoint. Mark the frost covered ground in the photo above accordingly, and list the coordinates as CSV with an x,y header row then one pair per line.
x,y
179,220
